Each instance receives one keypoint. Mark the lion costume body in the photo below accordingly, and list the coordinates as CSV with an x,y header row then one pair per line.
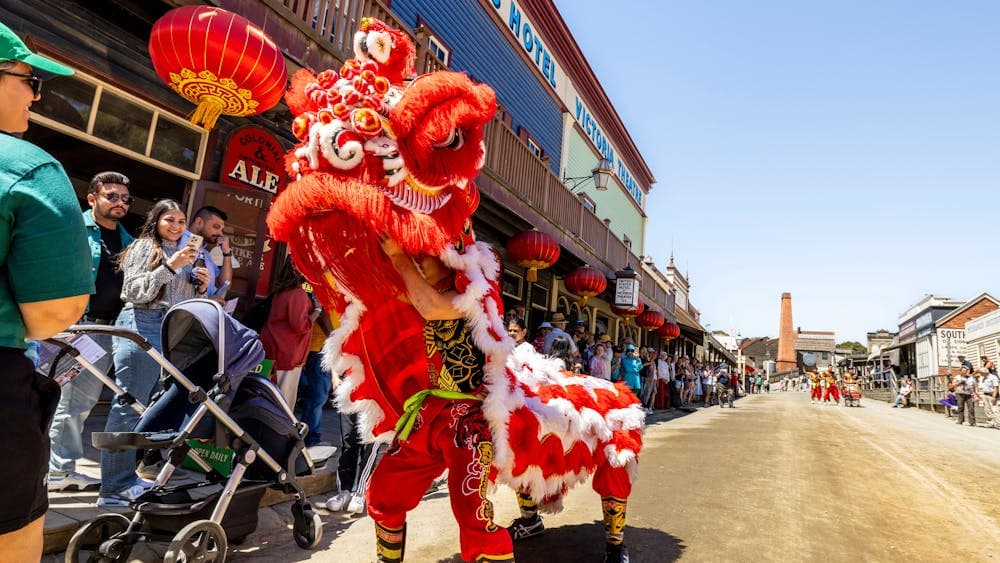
x,y
384,154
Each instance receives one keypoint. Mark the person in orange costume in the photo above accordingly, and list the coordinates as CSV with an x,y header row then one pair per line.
x,y
815,392
832,391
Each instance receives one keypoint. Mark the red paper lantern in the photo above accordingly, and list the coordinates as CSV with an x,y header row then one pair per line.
x,y
218,60
650,319
533,250
586,282
628,313
669,330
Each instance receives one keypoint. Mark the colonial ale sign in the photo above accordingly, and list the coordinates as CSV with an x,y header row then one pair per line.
x,y
254,158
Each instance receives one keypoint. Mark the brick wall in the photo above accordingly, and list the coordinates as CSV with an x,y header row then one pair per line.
x,y
982,307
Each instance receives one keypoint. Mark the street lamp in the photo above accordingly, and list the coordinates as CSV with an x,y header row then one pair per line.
x,y
601,175
739,355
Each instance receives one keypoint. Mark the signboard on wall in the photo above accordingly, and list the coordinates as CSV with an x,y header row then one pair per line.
x,y
627,292
950,343
254,158
516,23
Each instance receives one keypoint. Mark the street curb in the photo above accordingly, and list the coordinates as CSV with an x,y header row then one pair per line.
x,y
62,523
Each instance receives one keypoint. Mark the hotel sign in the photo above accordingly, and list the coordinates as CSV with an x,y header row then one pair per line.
x,y
528,39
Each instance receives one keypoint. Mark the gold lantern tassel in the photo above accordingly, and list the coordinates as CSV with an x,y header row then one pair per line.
x,y
207,113
582,301
532,274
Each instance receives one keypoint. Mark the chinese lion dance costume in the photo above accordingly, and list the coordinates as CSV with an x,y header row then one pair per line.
x,y
387,156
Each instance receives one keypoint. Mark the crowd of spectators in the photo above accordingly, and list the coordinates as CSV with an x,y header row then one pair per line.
x,y
660,379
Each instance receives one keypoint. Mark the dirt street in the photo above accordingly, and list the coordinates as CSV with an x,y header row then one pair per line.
x,y
775,479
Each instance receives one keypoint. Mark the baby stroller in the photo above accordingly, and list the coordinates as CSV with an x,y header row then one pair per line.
x,y
206,356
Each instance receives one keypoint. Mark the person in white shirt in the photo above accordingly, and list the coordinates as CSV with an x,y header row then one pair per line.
x,y
965,387
518,330
904,394
989,388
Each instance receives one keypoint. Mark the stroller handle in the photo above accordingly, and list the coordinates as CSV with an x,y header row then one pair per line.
x,y
106,330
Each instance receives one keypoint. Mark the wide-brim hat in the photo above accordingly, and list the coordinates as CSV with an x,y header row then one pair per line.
x,y
558,318
546,324
604,338
13,49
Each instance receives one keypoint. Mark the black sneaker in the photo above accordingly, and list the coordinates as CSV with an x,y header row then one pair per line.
x,y
523,528
616,554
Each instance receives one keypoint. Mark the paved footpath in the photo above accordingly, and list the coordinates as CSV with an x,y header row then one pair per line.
x,y
775,479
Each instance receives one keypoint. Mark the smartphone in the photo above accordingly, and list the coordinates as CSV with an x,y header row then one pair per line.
x,y
221,292
195,241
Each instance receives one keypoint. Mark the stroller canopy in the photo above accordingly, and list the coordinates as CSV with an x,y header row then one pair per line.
x,y
198,327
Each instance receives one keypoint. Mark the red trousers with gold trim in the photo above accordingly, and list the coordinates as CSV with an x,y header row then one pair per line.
x,y
450,435
816,393
832,391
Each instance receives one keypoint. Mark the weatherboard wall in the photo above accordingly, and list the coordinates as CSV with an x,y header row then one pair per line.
x,y
480,48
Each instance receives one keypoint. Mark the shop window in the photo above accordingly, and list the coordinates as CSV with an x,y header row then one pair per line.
x,y
122,123
176,144
68,100
83,107
539,297
439,50
533,146
588,203
512,284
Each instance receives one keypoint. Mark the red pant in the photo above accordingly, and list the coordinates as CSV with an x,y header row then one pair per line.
x,y
816,393
833,391
450,435
662,394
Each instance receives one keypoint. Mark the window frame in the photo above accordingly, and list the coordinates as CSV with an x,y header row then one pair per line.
x,y
158,113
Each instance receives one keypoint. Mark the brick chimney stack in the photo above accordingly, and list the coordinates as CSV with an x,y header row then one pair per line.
x,y
786,335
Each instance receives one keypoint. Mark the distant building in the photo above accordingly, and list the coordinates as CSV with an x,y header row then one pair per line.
x,y
949,338
758,350
819,344
915,324
879,340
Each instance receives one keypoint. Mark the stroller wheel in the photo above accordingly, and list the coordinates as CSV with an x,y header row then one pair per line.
x,y
96,541
307,528
201,540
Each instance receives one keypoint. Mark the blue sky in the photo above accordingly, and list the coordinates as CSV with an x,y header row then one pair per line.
x,y
845,151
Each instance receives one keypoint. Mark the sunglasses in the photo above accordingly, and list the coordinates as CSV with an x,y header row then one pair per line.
x,y
113,198
34,82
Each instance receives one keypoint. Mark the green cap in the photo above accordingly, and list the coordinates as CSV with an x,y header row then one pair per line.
x,y
13,49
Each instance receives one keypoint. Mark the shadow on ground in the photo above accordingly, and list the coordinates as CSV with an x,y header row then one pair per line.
x,y
584,543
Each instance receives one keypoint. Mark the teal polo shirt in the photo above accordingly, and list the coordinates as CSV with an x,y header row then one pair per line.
x,y
43,245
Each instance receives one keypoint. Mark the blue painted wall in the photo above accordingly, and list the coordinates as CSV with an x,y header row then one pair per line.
x,y
481,49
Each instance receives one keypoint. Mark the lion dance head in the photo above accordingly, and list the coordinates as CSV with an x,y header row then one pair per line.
x,y
381,151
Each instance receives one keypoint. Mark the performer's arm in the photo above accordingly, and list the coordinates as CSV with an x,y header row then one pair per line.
x,y
429,302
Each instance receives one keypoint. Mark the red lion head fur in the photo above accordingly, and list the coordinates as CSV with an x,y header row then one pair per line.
x,y
379,152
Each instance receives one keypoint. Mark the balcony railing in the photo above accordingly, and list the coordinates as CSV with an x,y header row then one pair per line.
x,y
332,24
523,173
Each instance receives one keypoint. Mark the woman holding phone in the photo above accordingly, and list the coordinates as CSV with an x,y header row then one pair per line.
x,y
158,274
